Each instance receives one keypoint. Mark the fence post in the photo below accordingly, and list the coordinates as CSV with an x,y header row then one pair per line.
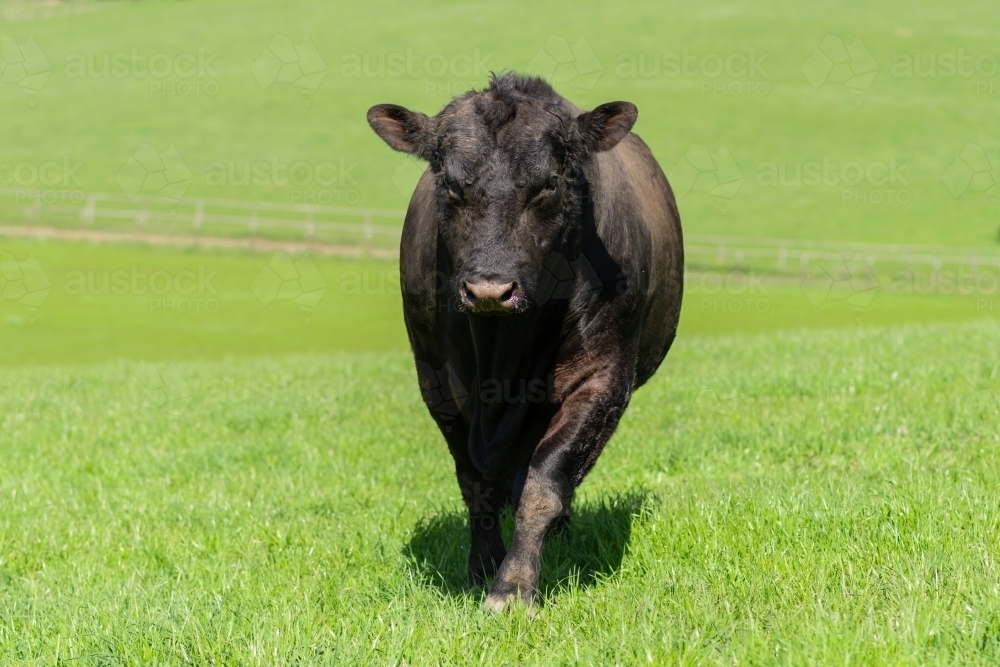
x,y
199,216
369,232
34,211
870,261
89,212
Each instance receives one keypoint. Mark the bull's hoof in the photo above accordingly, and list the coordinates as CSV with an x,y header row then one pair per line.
x,y
504,596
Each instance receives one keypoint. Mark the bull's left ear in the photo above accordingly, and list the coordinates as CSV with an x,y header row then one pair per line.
x,y
606,125
402,129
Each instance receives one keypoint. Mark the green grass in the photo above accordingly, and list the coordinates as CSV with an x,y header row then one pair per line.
x,y
100,306
207,475
800,498
921,123
143,302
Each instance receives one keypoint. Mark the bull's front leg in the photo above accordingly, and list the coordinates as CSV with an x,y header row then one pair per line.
x,y
569,448
445,397
483,498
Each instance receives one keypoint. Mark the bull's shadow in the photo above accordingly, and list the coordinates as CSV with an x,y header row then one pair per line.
x,y
590,550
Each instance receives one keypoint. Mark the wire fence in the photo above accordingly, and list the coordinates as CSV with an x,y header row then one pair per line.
x,y
204,217
376,231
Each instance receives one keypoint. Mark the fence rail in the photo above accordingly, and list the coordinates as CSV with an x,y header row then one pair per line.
x,y
193,215
787,255
363,227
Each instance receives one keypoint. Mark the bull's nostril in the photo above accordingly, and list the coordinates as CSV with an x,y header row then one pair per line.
x,y
509,294
467,292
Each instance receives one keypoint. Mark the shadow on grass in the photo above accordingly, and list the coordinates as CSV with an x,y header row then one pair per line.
x,y
591,550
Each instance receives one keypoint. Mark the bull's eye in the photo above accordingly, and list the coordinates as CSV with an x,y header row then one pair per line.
x,y
552,183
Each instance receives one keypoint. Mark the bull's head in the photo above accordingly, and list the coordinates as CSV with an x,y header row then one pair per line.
x,y
508,172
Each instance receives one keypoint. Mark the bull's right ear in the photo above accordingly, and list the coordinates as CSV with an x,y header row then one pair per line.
x,y
402,129
606,125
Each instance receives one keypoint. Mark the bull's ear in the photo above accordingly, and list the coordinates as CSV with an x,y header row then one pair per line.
x,y
402,129
606,125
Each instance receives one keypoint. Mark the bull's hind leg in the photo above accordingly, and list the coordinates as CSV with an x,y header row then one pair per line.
x,y
571,445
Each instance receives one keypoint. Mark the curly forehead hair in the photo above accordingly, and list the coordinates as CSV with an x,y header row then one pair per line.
x,y
497,103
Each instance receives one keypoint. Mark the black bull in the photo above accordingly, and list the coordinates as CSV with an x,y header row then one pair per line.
x,y
541,267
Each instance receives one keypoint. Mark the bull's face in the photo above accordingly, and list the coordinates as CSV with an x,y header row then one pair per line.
x,y
508,182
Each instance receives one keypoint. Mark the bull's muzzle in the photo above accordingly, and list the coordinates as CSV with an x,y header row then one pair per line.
x,y
491,297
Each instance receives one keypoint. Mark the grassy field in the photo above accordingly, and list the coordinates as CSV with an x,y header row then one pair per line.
x,y
221,457
754,86
142,303
800,498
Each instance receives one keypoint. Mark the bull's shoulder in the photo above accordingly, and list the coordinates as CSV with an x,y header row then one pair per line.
x,y
418,242
418,275
638,224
